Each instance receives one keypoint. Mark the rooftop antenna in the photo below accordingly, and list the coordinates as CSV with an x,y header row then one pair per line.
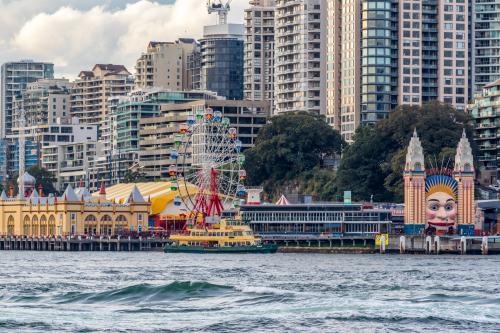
x,y
214,6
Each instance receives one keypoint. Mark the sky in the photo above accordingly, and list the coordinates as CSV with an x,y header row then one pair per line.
x,y
76,34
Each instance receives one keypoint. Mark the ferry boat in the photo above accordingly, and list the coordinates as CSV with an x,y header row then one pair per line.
x,y
227,236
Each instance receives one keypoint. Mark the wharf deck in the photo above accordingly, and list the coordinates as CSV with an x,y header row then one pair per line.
x,y
82,244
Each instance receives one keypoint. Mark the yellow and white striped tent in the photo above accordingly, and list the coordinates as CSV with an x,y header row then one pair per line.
x,y
160,194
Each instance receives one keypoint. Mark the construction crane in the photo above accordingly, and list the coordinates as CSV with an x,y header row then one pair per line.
x,y
220,8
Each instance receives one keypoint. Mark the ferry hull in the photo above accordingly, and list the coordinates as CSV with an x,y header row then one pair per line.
x,y
266,248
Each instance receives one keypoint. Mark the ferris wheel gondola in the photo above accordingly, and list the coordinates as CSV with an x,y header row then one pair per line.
x,y
207,154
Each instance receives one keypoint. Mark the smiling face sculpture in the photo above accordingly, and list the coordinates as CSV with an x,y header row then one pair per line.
x,y
441,204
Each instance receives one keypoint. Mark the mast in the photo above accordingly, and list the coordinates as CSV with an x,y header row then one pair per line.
x,y
22,148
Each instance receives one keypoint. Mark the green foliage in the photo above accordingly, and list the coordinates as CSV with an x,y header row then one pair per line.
x,y
374,163
288,148
134,177
42,176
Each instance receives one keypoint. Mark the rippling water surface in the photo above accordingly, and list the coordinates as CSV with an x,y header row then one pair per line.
x,y
157,292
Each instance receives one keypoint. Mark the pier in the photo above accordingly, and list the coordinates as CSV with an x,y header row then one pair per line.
x,y
79,243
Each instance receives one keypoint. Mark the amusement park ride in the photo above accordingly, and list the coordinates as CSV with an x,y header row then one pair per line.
x,y
207,154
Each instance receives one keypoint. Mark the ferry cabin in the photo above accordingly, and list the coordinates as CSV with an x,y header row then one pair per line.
x,y
316,220
226,233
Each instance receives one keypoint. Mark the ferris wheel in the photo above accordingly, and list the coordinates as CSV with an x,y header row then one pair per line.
x,y
207,173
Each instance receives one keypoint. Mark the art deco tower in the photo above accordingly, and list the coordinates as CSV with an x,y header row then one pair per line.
x,y
414,187
464,175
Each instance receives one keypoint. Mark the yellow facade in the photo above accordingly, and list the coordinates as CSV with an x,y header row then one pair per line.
x,y
71,214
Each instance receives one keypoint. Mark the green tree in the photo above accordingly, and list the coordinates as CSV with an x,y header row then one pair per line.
x,y
289,146
134,177
42,176
373,164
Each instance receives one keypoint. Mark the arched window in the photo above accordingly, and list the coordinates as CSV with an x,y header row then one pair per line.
x,y
121,218
34,219
43,226
26,225
467,167
90,218
52,225
10,225
106,218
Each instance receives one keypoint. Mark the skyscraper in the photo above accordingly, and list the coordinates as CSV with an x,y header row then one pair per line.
x,y
433,52
259,51
384,53
222,60
297,57
486,43
14,79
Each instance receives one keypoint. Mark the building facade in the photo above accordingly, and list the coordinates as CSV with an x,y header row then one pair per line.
x,y
74,213
486,47
439,201
486,115
70,163
380,54
166,65
15,77
158,134
126,126
259,51
222,60
90,92
297,56
295,222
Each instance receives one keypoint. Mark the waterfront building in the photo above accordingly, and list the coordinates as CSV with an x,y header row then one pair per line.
x,y
297,56
157,134
75,212
90,92
259,51
486,45
222,60
486,115
15,77
315,221
439,201
166,65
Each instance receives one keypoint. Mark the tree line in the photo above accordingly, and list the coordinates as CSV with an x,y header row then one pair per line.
x,y
291,152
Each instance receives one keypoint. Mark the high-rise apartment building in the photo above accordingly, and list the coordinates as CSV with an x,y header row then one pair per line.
x,y
259,51
157,134
297,57
15,76
383,53
486,114
433,52
486,42
379,60
90,92
222,60
166,65
44,102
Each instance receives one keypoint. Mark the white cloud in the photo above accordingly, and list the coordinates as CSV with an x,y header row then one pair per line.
x,y
75,38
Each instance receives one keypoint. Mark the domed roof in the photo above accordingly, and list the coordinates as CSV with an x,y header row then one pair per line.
x,y
27,179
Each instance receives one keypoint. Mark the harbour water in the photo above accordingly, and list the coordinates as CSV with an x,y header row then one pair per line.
x,y
157,292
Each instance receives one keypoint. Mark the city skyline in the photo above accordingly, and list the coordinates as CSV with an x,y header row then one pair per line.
x,y
76,28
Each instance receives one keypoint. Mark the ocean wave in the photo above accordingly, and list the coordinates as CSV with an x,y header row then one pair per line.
x,y
147,293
